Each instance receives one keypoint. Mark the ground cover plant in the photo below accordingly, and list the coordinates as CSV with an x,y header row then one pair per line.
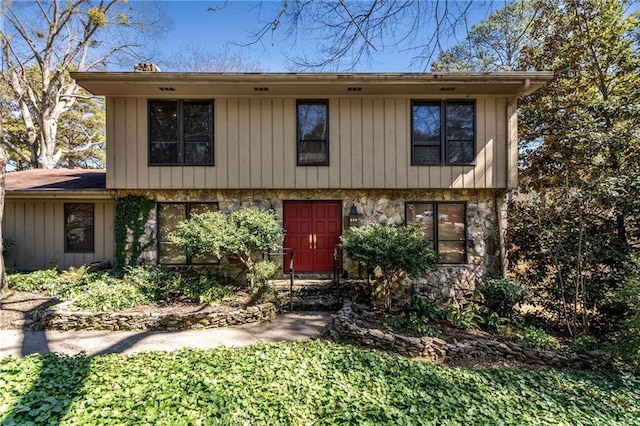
x,y
104,291
304,383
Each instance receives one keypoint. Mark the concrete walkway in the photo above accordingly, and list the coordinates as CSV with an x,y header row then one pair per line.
x,y
288,327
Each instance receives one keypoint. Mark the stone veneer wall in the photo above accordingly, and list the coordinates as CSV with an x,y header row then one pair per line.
x,y
450,283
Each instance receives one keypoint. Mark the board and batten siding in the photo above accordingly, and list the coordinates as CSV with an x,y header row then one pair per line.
x,y
37,229
255,148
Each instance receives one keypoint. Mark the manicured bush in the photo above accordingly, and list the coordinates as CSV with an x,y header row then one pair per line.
x,y
304,383
501,295
393,252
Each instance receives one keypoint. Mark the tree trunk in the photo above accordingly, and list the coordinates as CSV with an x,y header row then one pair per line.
x,y
3,166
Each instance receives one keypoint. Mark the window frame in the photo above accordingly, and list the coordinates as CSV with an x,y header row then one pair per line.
x,y
436,238
68,227
187,209
299,102
180,103
443,130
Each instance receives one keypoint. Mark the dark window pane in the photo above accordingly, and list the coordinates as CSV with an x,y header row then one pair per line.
x,y
169,216
78,223
426,122
78,214
313,152
198,122
170,253
80,239
198,153
426,154
163,153
163,121
452,252
421,213
460,121
460,152
313,121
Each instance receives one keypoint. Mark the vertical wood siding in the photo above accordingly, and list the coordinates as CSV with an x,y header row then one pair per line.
x,y
37,228
255,148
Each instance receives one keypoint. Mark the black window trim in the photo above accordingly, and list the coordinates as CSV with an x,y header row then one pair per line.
x,y
92,228
443,131
436,239
181,162
312,102
187,206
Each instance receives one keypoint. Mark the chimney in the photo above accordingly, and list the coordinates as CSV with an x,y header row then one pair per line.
x,y
146,67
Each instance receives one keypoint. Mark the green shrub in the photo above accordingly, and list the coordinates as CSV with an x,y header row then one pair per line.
x,y
461,317
156,283
41,280
204,289
501,295
582,343
537,338
264,271
625,345
393,252
423,308
109,294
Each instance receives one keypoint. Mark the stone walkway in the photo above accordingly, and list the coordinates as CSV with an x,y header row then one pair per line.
x,y
288,327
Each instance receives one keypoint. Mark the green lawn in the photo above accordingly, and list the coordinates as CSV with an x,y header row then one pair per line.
x,y
304,383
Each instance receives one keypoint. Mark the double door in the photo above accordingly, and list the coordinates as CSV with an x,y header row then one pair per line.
x,y
313,229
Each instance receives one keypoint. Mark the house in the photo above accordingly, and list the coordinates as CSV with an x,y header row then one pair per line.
x,y
322,150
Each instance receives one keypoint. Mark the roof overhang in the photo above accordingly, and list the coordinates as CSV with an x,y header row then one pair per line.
x,y
56,194
171,85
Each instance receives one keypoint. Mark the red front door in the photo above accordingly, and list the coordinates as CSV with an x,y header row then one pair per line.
x,y
313,230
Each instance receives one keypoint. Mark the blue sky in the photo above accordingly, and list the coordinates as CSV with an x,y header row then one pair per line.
x,y
233,25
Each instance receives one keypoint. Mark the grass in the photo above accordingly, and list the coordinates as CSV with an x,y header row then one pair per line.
x,y
305,383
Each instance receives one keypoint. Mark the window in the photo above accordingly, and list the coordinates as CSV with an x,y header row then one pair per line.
x,y
443,132
445,226
169,215
181,133
78,228
313,133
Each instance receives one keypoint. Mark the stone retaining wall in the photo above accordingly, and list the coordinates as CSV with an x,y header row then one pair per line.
x,y
56,318
344,328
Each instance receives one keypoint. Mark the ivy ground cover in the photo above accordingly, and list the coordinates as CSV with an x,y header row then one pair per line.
x,y
304,383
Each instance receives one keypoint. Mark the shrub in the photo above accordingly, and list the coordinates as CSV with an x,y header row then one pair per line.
x,y
582,343
204,289
155,283
503,294
109,294
423,308
625,347
537,338
264,271
395,252
239,234
32,281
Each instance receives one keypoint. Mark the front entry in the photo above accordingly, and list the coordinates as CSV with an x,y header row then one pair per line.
x,y
313,230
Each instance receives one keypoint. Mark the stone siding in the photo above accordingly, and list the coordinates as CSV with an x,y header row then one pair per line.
x,y
450,283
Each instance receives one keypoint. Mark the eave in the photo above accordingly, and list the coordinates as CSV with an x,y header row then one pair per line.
x,y
166,84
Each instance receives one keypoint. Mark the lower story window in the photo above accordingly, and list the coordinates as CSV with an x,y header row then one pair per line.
x,y
78,227
169,216
445,226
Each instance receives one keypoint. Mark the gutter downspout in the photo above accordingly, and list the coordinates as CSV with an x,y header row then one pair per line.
x,y
500,195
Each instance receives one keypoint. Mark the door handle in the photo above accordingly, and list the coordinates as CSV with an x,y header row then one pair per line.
x,y
310,241
315,241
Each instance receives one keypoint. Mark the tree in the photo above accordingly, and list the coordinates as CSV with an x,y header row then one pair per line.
x,y
195,58
580,142
41,42
495,43
395,252
241,234
351,32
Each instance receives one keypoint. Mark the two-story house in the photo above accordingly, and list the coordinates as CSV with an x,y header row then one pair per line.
x,y
317,148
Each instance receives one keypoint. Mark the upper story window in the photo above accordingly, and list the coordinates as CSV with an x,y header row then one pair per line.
x,y
313,133
78,227
445,226
181,133
169,216
443,132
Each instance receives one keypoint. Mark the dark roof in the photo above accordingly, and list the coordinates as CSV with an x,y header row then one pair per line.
x,y
56,179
